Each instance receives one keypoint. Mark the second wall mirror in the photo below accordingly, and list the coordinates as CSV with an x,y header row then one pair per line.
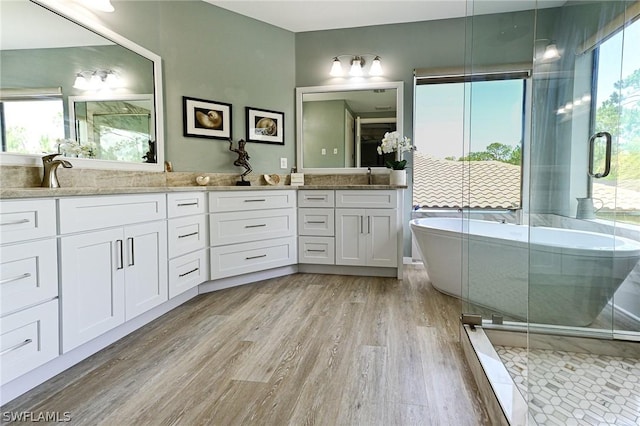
x,y
339,127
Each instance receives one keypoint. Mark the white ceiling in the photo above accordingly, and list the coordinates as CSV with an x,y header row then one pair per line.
x,y
312,15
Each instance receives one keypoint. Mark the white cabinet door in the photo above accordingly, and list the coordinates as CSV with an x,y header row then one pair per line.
x,y
367,237
92,285
146,260
350,237
382,244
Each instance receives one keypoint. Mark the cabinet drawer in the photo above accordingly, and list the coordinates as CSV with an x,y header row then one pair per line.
x,y
319,250
27,219
237,227
29,339
320,222
227,201
256,256
186,272
381,199
185,204
86,213
187,234
316,198
28,274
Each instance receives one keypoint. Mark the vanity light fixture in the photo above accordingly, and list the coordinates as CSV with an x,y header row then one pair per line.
x,y
357,65
550,52
97,80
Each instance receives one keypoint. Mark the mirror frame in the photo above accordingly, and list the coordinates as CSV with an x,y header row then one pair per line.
x,y
80,16
300,91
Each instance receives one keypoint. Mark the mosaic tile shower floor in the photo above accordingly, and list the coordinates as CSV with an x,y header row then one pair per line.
x,y
575,388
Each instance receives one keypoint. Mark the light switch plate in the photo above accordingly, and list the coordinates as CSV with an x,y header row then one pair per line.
x,y
324,151
283,163
335,151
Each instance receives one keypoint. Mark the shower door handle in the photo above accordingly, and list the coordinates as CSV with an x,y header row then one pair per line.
x,y
607,165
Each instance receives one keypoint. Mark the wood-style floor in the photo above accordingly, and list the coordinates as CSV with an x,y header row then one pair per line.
x,y
298,350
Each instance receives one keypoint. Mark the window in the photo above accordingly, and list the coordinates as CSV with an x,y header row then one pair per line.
x,y
617,110
480,167
30,123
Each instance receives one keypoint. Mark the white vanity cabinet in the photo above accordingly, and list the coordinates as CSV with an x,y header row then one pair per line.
x,y
188,237
110,275
251,231
367,236
29,323
316,227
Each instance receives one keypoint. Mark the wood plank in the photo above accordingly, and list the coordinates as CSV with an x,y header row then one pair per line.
x,y
303,349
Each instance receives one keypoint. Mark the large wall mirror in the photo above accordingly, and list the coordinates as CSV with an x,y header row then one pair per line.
x,y
340,127
63,76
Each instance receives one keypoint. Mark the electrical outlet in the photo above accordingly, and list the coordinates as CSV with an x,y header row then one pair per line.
x,y
335,151
283,163
324,151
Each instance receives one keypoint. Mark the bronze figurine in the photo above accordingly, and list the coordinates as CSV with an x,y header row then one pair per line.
x,y
242,161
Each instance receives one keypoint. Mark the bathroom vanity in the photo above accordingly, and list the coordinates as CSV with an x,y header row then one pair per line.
x,y
83,267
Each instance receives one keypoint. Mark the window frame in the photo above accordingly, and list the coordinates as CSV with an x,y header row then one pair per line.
x,y
519,72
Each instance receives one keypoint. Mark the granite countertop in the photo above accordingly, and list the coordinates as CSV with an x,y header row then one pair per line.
x,y
10,193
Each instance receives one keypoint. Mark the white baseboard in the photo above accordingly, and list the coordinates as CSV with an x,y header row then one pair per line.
x,y
253,277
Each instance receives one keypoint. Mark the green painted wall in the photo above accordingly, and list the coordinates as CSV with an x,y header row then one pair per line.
x,y
324,129
214,54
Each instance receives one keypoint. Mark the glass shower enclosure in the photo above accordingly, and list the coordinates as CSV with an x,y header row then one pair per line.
x,y
563,272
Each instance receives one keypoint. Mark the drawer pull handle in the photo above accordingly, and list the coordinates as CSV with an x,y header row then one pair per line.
x,y
19,277
132,252
187,273
316,198
316,251
16,347
255,257
120,255
255,200
188,235
316,222
255,226
187,204
16,222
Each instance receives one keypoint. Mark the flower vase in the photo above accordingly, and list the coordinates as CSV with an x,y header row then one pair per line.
x,y
398,178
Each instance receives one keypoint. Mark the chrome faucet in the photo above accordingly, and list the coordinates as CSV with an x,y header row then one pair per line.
x,y
369,177
50,174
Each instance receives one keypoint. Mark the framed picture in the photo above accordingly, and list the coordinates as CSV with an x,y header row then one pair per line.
x,y
206,119
265,126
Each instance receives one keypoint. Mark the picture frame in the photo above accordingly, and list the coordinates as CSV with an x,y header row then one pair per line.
x,y
206,119
264,126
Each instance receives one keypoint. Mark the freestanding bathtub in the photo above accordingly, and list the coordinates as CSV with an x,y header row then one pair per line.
x,y
543,275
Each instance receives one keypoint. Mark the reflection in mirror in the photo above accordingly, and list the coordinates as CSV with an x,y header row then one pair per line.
x,y
340,127
42,57
116,129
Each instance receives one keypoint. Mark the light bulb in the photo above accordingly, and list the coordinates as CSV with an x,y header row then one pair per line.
x,y
80,82
551,53
376,67
112,81
336,68
356,67
95,82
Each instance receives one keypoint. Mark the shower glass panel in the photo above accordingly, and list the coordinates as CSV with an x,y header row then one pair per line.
x,y
497,94
581,269
617,106
575,268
